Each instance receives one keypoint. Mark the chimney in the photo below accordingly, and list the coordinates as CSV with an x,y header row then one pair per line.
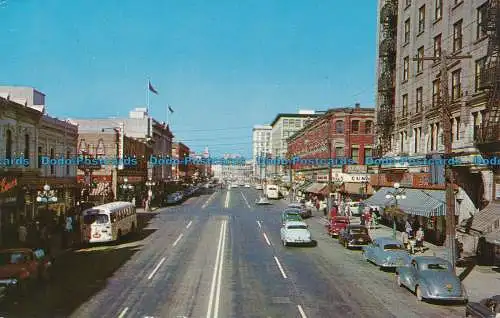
x,y
357,105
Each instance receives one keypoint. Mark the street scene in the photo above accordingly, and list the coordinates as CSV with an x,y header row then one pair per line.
x,y
285,159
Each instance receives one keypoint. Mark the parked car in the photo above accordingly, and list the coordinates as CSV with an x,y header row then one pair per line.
x,y
262,201
486,308
259,187
354,208
431,277
354,236
386,252
247,185
290,214
295,232
21,267
336,225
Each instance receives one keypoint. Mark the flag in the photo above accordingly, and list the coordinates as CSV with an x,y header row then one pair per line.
x,y
170,109
152,89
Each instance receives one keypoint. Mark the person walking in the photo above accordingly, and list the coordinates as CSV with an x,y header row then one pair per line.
x,y
420,239
22,233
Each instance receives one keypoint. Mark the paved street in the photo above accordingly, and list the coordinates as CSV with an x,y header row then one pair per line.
x,y
219,255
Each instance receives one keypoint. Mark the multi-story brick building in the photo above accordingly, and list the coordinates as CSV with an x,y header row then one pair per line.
x,y
341,133
180,151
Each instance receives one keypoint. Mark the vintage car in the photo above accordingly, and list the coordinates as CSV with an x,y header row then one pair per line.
x,y
20,267
262,201
290,214
486,308
354,236
386,252
336,225
431,277
304,212
295,232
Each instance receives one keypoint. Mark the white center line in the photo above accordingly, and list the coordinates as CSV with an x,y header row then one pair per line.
x,y
208,200
280,267
260,225
156,268
178,239
226,204
245,199
189,224
124,311
302,313
219,279
267,240
214,277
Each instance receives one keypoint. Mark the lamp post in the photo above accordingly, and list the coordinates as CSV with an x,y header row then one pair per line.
x,y
126,187
120,130
397,194
150,184
46,196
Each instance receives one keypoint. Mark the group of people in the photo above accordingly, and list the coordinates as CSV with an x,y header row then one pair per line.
x,y
413,241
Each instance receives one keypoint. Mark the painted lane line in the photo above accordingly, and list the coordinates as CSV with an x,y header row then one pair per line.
x,y
246,201
189,224
123,312
178,239
214,277
221,265
226,204
280,267
302,313
267,240
156,268
260,225
208,200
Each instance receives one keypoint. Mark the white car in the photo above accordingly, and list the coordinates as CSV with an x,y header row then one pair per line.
x,y
295,232
247,185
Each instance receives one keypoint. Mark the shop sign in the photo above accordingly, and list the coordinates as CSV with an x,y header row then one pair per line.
x,y
356,178
7,184
322,178
8,200
355,168
497,191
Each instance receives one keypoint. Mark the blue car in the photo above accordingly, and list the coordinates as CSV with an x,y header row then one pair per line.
x,y
431,277
386,253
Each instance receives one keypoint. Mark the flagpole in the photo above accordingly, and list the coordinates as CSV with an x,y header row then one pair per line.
x,y
147,89
168,121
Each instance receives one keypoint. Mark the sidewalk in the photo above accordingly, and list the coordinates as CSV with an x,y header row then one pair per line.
x,y
142,210
480,281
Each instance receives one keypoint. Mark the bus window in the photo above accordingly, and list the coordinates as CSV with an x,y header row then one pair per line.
x,y
95,218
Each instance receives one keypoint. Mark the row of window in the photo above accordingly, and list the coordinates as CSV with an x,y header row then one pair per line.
x,y
355,127
122,214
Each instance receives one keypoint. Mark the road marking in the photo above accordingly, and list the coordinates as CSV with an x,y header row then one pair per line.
x,y
208,200
178,239
245,199
226,204
189,224
280,267
156,268
260,225
216,268
221,265
267,240
124,311
302,313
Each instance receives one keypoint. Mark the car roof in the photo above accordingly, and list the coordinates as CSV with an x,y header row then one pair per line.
x,y
296,223
430,260
387,241
291,210
356,226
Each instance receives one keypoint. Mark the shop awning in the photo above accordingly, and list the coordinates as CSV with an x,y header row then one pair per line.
x,y
316,188
417,202
356,188
483,220
493,238
304,186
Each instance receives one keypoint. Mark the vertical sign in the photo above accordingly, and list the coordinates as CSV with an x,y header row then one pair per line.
x,y
120,147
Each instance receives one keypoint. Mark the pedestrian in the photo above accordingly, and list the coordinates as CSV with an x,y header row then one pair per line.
x,y
408,228
22,233
405,239
334,211
420,239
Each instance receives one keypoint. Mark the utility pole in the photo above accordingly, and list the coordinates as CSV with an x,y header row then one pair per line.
x,y
329,140
448,150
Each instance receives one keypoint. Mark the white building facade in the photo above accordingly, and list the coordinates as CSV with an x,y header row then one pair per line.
x,y
261,146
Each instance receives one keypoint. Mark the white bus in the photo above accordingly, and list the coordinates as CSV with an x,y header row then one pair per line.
x,y
272,191
108,222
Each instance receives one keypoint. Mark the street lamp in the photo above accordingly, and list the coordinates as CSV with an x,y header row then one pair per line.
x,y
46,196
150,184
397,194
126,187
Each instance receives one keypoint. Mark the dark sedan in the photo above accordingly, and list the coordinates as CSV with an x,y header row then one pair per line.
x,y
354,236
486,308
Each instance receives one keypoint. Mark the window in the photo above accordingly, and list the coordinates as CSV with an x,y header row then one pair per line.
x,y
406,68
405,105
68,154
401,142
355,155
420,62
408,3
457,128
432,137
457,36
456,89
40,154
415,140
368,127
437,45
436,89
339,127
480,64
482,12
355,126
368,153
339,152
407,31
419,100
52,155
438,9
421,19
285,122
477,124
8,144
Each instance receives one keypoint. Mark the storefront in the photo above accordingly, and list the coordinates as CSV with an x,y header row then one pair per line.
x,y
352,187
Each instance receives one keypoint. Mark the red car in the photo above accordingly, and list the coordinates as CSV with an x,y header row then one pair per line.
x,y
337,224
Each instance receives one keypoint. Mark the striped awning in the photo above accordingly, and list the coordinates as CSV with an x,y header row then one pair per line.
x,y
425,203
316,188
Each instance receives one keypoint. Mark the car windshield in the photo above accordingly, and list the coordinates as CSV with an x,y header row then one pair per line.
x,y
297,227
96,219
10,258
437,267
390,247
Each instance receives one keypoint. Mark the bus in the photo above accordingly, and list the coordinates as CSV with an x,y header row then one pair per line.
x,y
272,191
108,222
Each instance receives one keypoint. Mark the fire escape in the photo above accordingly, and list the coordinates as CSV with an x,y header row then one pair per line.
x,y
386,80
488,141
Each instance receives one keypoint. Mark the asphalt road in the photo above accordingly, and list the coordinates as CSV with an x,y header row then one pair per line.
x,y
220,255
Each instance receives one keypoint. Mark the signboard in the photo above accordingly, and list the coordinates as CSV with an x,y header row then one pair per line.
x,y
497,191
413,180
355,168
7,184
356,178
100,151
322,178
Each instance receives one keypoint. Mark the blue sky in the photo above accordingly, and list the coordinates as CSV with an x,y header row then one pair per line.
x,y
222,65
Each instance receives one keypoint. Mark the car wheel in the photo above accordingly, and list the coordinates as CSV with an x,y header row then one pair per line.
x,y
345,244
398,280
418,292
